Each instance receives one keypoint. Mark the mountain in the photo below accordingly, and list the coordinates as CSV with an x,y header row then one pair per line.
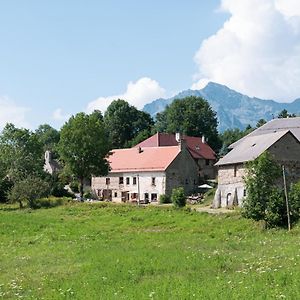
x,y
234,110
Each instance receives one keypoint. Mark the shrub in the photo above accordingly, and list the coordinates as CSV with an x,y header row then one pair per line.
x,y
57,187
163,199
265,200
29,189
261,177
178,197
50,202
5,186
294,202
88,195
275,213
74,186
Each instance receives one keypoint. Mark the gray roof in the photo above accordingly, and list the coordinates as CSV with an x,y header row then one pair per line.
x,y
276,125
251,147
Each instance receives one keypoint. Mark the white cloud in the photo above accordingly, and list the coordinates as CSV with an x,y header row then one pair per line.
x,y
257,51
10,112
137,93
58,115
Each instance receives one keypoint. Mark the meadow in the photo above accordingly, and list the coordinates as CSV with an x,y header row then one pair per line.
x,y
106,251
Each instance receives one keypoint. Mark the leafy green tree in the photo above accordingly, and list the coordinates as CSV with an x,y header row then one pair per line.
x,y
141,136
21,153
124,123
191,116
83,147
294,202
29,189
48,137
262,176
5,187
229,137
178,197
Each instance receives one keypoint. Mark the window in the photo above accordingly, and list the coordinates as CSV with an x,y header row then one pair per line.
x,y
116,194
207,162
146,196
234,171
107,181
186,181
153,180
134,180
121,180
127,180
153,197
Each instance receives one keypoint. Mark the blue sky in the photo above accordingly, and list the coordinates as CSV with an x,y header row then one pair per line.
x,y
64,54
61,57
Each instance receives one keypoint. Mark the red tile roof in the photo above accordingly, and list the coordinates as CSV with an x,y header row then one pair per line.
x,y
194,144
149,159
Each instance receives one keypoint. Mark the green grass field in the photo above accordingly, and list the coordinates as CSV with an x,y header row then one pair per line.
x,y
100,251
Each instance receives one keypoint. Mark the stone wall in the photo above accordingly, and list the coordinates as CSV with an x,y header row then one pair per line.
x,y
231,187
207,171
183,171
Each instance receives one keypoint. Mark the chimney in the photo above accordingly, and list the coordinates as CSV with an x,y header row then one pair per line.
x,y
140,149
203,139
182,144
178,137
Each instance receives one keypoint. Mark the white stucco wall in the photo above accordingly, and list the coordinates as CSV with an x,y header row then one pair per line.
x,y
143,180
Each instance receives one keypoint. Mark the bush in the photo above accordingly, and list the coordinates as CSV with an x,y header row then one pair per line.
x,y
57,187
178,197
261,178
74,186
30,190
294,202
163,199
50,202
5,186
265,200
275,213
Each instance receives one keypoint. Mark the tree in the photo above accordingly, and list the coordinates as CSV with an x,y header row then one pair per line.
x,y
260,123
284,114
141,136
262,176
124,123
21,153
191,116
229,137
178,197
294,202
83,146
29,190
48,137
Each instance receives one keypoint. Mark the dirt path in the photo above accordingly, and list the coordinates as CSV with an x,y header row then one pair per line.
x,y
214,210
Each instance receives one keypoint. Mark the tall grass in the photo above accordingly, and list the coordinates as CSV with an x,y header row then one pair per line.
x,y
105,251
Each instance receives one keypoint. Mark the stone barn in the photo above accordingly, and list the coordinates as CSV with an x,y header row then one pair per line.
x,y
280,137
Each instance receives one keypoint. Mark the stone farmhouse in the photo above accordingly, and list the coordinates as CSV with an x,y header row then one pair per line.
x,y
201,152
143,174
280,137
